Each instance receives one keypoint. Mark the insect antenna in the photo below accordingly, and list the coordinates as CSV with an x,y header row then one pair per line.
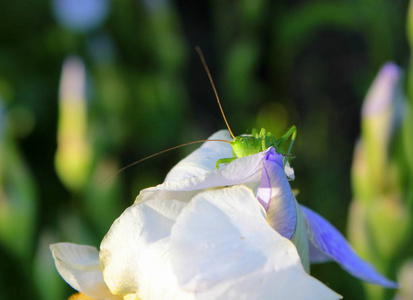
x,y
157,153
201,55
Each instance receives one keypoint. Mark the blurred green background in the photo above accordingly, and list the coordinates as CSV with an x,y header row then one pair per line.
x,y
88,86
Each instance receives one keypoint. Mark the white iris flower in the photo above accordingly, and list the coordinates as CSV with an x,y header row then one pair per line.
x,y
232,233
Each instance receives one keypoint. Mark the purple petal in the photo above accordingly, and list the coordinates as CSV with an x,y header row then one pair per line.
x,y
316,255
271,164
275,195
332,243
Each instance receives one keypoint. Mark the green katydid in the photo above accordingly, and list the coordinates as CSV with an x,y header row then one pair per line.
x,y
243,145
246,145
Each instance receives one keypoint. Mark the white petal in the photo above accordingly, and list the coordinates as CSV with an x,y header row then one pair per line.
x,y
222,248
289,171
134,253
203,159
243,170
79,266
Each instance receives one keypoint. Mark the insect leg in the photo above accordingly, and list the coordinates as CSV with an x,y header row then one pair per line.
x,y
267,141
254,132
224,161
292,140
292,132
271,141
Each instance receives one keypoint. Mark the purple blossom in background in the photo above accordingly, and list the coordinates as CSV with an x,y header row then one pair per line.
x,y
80,15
